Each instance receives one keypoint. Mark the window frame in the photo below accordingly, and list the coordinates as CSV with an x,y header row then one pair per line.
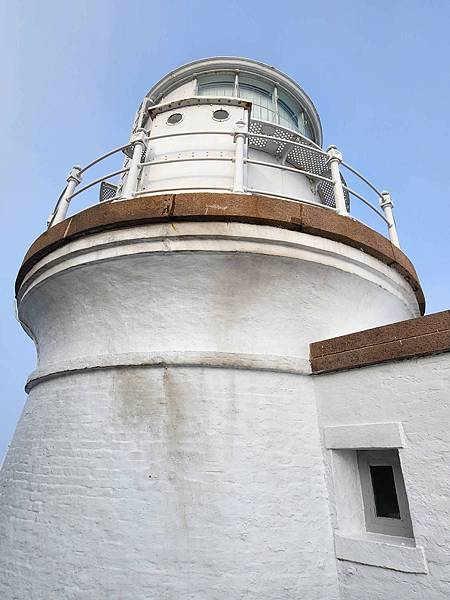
x,y
221,110
169,123
385,525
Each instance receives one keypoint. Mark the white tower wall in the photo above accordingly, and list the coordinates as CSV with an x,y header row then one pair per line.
x,y
170,445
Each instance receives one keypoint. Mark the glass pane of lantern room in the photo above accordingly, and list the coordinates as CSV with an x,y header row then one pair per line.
x,y
287,116
262,102
216,89
219,84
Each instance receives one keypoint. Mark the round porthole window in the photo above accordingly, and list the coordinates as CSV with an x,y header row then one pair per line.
x,y
174,119
221,114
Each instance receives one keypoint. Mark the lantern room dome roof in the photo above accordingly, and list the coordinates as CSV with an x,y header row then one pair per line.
x,y
242,66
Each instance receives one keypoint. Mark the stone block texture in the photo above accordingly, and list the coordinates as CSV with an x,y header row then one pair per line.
x,y
167,484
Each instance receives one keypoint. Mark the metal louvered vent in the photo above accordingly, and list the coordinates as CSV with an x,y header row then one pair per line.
x,y
107,191
298,156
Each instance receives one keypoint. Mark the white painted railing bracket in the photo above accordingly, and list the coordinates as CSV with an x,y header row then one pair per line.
x,y
387,205
139,142
73,179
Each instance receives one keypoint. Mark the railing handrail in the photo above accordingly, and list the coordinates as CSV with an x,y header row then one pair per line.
x,y
108,154
99,180
240,134
369,204
80,170
358,174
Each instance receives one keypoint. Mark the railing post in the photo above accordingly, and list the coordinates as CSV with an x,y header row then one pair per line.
x,y
240,134
387,205
334,160
139,146
73,179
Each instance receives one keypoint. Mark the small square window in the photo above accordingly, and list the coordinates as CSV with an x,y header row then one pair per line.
x,y
384,491
386,507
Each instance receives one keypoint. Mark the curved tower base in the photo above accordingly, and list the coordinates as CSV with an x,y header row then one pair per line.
x,y
170,445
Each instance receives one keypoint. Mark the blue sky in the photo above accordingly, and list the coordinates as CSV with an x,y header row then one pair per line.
x,y
73,74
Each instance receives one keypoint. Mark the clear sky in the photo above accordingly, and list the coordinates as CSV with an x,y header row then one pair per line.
x,y
73,74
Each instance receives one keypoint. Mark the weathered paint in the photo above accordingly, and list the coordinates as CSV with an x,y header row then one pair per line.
x,y
132,475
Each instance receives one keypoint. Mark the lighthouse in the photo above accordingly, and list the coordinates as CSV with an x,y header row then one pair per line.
x,y
237,393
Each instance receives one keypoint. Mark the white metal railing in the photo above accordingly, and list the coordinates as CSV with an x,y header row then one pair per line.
x,y
330,175
74,178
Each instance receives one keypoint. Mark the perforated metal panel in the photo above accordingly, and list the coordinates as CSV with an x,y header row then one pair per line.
x,y
107,191
299,157
128,151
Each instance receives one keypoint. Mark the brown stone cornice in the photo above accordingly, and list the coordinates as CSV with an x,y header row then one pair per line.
x,y
261,210
405,339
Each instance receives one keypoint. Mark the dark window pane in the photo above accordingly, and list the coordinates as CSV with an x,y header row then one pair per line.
x,y
221,115
384,492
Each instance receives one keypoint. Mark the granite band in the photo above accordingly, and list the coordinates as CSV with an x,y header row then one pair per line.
x,y
406,339
224,207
